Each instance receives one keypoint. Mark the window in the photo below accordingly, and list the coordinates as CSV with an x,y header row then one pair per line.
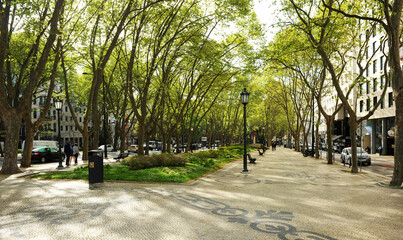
x,y
389,82
360,88
367,87
381,63
366,53
35,114
61,128
380,45
375,100
67,128
65,109
54,112
361,105
80,119
390,99
368,104
374,83
374,66
65,118
54,126
367,71
383,103
71,127
382,81
373,47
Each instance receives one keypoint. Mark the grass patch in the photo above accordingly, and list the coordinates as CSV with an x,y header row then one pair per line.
x,y
159,168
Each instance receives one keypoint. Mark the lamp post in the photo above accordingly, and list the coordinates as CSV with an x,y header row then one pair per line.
x,y
105,119
264,138
244,99
313,122
59,105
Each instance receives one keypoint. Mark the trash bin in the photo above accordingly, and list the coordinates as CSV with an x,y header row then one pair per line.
x,y
95,166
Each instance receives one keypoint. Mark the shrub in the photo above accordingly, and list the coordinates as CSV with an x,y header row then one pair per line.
x,y
201,161
160,160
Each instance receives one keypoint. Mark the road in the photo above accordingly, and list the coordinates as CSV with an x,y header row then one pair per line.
x,y
379,164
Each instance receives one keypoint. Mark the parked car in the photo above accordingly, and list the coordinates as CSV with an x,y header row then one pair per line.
x,y
40,143
109,148
362,156
45,154
133,148
151,145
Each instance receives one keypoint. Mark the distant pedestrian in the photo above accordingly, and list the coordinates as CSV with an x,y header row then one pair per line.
x,y
75,152
68,152
380,150
273,146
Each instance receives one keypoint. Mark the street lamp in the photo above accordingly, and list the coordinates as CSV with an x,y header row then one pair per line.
x,y
264,138
59,105
104,110
313,122
244,99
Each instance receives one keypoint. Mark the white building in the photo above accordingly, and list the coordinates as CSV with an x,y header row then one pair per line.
x,y
379,129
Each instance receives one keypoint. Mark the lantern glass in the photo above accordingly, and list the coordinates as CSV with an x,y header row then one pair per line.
x,y
244,96
58,104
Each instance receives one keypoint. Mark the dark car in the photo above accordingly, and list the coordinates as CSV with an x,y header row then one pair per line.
x,y
45,154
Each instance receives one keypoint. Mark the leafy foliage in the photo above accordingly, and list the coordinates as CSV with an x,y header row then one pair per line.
x,y
159,160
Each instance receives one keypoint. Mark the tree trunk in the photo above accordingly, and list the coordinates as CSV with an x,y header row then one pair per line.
x,y
28,146
317,136
354,161
397,178
11,123
122,137
86,143
140,135
329,124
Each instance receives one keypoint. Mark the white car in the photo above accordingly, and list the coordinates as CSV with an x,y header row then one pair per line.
x,y
109,148
133,148
362,156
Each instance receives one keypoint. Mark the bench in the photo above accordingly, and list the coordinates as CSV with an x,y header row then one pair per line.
x,y
251,159
261,152
121,156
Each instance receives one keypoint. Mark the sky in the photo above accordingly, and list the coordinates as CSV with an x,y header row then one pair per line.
x,y
267,12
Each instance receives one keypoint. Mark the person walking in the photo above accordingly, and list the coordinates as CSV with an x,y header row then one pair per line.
x,y
75,153
68,152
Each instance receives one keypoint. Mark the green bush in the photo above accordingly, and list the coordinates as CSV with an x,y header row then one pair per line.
x,y
160,160
201,160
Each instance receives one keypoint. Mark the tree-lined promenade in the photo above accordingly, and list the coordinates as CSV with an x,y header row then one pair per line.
x,y
173,70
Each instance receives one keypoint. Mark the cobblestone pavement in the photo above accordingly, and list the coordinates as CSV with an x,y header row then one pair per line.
x,y
285,196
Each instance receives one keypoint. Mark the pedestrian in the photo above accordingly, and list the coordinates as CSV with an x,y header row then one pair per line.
x,y
75,153
380,150
68,152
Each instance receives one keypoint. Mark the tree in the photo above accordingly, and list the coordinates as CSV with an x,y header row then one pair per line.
x,y
387,14
323,29
19,80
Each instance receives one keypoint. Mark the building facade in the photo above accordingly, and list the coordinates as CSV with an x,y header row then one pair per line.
x,y
377,133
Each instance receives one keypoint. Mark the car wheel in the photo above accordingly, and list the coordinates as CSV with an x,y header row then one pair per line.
x,y
43,159
369,163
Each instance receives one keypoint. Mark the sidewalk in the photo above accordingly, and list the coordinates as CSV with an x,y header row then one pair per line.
x,y
284,196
